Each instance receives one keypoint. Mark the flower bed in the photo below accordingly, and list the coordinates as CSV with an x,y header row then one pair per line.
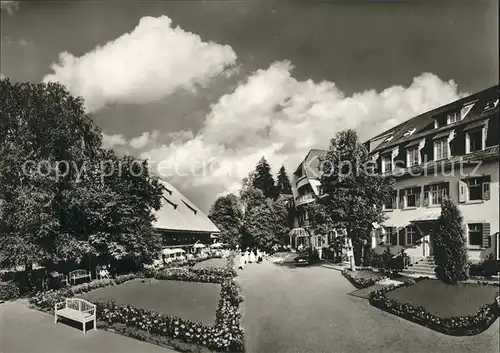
x,y
360,282
9,290
204,275
46,300
455,325
226,335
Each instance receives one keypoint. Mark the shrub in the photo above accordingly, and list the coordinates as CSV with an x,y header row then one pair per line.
x,y
9,290
450,251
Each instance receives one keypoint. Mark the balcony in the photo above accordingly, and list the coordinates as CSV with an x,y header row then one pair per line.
x,y
300,200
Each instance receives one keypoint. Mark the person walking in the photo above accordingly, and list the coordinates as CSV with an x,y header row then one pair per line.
x,y
242,261
252,255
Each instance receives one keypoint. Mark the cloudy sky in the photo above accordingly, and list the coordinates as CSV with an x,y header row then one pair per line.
x,y
204,89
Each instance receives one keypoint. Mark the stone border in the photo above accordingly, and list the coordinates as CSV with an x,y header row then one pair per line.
x,y
453,326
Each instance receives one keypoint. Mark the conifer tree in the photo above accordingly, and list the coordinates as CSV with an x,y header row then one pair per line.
x,y
283,182
263,179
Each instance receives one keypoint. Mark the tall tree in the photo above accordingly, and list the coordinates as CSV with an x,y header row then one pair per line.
x,y
227,215
263,179
64,196
450,247
283,182
353,192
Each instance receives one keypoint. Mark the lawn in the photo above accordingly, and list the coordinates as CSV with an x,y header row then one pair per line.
x,y
188,300
366,274
218,263
445,300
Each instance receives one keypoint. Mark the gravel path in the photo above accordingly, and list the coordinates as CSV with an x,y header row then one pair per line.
x,y
24,330
292,310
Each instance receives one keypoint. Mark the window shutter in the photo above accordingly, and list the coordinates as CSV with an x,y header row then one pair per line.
x,y
486,235
486,187
402,236
426,195
395,200
462,191
401,198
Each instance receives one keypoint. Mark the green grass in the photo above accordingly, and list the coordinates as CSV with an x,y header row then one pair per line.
x,y
188,300
445,300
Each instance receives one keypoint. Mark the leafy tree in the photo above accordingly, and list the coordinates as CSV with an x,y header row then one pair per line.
x,y
353,193
283,182
450,249
281,227
59,203
263,179
227,216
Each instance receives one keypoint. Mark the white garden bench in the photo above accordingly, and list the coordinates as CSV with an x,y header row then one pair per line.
x,y
76,309
79,274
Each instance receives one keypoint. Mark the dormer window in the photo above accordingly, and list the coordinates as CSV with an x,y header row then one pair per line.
x,y
491,105
452,118
413,156
387,163
466,109
409,132
441,149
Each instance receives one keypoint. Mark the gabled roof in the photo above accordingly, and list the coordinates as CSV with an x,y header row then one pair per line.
x,y
423,123
311,163
177,212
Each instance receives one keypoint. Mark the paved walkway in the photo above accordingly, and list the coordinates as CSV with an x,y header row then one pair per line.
x,y
292,310
23,330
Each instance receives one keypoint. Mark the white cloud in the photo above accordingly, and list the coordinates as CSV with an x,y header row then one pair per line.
x,y
9,6
274,115
151,62
112,141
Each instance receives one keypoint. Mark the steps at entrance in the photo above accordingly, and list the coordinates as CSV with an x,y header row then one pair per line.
x,y
424,267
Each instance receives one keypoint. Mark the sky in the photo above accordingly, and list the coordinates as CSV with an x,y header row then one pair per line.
x,y
204,89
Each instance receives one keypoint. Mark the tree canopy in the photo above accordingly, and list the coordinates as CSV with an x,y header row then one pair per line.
x,y
227,215
353,192
64,197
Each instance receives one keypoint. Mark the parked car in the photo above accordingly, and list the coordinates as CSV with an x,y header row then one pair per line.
x,y
302,259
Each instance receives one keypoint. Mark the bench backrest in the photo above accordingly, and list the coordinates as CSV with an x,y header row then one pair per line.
x,y
77,273
79,304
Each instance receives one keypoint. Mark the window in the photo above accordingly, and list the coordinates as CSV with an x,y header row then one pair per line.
x,y
412,197
438,192
441,149
452,118
475,234
390,203
409,132
491,104
475,141
411,234
413,157
475,189
386,163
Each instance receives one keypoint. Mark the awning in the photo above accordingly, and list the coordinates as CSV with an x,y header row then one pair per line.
x,y
216,245
428,217
298,233
198,246
475,125
442,135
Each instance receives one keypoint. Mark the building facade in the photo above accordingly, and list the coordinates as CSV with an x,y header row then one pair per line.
x,y
181,223
453,152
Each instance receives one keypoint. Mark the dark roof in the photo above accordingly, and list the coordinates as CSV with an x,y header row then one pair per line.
x,y
311,163
421,122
